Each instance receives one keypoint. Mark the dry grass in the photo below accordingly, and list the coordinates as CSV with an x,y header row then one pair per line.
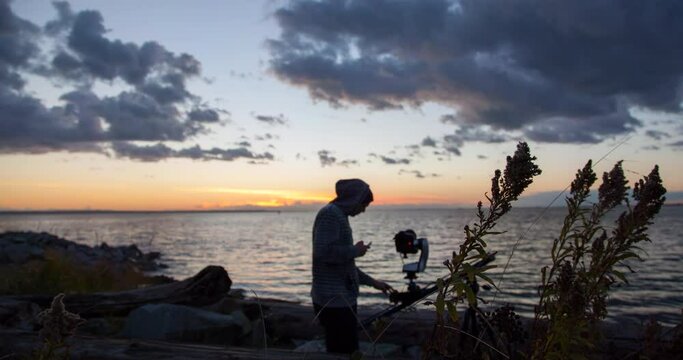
x,y
60,274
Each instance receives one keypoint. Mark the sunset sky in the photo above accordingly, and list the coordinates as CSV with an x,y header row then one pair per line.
x,y
170,105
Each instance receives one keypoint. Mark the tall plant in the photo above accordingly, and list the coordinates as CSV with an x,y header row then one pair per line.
x,y
587,260
455,288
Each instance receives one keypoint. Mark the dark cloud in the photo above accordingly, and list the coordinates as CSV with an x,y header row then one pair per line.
x,y
428,141
418,174
581,130
64,21
245,144
657,135
394,161
677,144
482,157
151,109
327,159
204,115
414,150
129,116
88,53
18,45
556,71
389,160
266,136
449,119
148,153
161,151
167,89
470,133
347,163
272,120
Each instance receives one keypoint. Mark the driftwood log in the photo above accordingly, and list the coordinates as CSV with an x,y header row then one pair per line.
x,y
207,287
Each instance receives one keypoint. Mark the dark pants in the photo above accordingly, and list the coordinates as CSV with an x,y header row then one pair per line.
x,y
341,332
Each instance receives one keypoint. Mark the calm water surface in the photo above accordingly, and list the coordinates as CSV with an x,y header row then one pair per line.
x,y
270,253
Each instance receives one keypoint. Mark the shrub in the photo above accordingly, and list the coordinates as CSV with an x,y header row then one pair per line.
x,y
587,260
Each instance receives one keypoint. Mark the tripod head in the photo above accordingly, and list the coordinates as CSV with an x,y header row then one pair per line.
x,y
406,242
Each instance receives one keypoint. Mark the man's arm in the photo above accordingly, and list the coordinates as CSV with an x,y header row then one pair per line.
x,y
366,279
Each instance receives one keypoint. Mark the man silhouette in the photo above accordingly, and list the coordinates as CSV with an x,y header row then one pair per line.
x,y
336,278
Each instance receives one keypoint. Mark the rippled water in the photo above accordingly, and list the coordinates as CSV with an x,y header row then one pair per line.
x,y
270,253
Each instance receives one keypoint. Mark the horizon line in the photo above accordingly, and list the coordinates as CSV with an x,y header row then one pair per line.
x,y
256,209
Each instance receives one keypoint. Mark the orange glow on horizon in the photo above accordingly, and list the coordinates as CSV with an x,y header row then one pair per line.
x,y
145,195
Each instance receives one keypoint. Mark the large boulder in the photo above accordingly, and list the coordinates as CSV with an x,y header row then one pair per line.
x,y
183,323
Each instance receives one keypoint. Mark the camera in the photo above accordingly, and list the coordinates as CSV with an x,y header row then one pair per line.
x,y
407,242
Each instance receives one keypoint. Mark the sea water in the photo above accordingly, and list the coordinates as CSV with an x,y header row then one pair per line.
x,y
269,253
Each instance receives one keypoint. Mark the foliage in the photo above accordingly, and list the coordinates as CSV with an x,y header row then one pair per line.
x,y
587,260
456,287
660,344
59,273
508,326
57,326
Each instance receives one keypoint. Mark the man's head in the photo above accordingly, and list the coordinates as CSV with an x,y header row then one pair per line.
x,y
353,196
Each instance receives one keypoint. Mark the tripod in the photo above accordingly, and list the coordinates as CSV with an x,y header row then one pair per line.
x,y
405,299
470,324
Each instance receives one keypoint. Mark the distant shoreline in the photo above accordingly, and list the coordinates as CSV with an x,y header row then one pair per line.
x,y
220,211
84,212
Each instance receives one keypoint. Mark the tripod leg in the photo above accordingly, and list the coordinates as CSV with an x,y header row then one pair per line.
x,y
469,326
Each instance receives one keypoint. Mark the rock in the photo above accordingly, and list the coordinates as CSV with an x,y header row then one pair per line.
x,y
225,305
382,350
132,251
18,253
259,336
20,247
18,314
415,352
19,239
313,346
4,259
183,323
101,327
36,252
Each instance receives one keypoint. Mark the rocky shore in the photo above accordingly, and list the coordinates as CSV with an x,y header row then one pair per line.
x,y
158,321
21,247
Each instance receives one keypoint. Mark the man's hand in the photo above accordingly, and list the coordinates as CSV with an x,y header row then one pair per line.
x,y
381,285
361,248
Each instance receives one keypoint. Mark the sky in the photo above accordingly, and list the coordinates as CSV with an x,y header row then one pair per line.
x,y
203,105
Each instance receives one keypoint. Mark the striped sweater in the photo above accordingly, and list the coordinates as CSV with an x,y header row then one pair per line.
x,y
335,276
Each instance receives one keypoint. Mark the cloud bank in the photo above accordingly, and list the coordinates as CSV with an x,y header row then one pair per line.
x,y
553,71
74,51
